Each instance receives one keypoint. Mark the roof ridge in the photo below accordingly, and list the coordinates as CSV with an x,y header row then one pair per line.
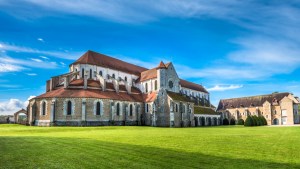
x,y
262,95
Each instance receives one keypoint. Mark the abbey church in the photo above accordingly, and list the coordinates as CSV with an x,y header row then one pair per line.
x,y
100,90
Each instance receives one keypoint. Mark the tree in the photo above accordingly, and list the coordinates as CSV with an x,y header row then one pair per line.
x,y
256,121
241,122
225,121
263,120
249,121
232,121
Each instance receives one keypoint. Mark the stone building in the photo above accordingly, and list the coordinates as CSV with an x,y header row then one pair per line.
x,y
101,90
277,108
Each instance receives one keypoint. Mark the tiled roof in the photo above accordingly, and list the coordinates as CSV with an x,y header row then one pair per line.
x,y
204,110
94,58
251,101
192,86
179,97
148,74
91,93
161,65
149,97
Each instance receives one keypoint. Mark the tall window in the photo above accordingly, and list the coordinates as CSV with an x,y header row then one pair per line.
x,y
176,107
98,108
130,110
155,85
69,108
146,87
82,73
100,73
113,76
118,109
147,107
44,108
90,73
125,79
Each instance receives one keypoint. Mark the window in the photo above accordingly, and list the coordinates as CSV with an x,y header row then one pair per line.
x,y
130,110
275,112
146,87
147,107
113,76
90,73
125,79
69,108
98,108
170,84
155,85
118,109
44,108
176,107
100,73
82,73
283,112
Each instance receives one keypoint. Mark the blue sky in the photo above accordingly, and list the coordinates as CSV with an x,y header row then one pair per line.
x,y
233,48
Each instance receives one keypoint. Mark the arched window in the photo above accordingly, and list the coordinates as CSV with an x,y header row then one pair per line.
x,y
125,79
100,73
44,108
113,76
155,85
69,108
90,73
98,108
118,109
146,87
147,107
82,73
176,108
130,110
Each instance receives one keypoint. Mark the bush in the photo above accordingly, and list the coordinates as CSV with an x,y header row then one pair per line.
x,y
232,121
264,120
241,122
225,121
256,121
249,121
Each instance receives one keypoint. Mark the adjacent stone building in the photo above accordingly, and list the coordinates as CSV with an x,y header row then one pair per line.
x,y
277,108
101,90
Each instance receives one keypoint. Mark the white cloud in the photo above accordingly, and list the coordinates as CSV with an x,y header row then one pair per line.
x,y
41,40
5,67
31,74
36,60
13,105
44,57
224,87
63,55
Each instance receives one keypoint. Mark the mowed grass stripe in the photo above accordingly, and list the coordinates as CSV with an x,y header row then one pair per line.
x,y
146,147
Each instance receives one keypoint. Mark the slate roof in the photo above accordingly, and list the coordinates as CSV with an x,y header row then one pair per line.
x,y
251,101
94,58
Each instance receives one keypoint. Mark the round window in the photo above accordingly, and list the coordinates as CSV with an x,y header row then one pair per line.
x,y
170,84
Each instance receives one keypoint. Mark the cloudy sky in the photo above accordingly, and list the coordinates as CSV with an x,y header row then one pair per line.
x,y
233,48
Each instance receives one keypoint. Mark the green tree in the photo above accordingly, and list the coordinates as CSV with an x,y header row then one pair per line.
x,y
249,121
241,122
232,121
225,121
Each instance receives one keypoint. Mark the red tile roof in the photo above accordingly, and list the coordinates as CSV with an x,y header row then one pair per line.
x,y
148,74
149,97
161,65
91,93
94,58
192,86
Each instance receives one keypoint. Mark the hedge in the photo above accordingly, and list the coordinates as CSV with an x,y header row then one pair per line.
x,y
255,121
241,122
232,121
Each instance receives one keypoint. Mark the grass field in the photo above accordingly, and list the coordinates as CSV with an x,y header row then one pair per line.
x,y
147,147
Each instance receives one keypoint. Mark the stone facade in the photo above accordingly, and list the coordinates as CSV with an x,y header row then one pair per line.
x,y
100,90
278,108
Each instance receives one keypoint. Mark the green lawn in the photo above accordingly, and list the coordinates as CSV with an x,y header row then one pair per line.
x,y
148,147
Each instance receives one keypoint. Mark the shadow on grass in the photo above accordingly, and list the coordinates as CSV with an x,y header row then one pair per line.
x,y
50,152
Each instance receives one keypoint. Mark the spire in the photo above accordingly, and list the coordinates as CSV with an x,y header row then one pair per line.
x,y
161,65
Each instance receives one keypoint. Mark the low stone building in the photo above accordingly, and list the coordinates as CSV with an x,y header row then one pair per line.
x,y
277,108
101,90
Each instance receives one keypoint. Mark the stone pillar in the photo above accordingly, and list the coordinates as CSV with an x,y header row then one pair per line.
x,y
83,111
30,115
